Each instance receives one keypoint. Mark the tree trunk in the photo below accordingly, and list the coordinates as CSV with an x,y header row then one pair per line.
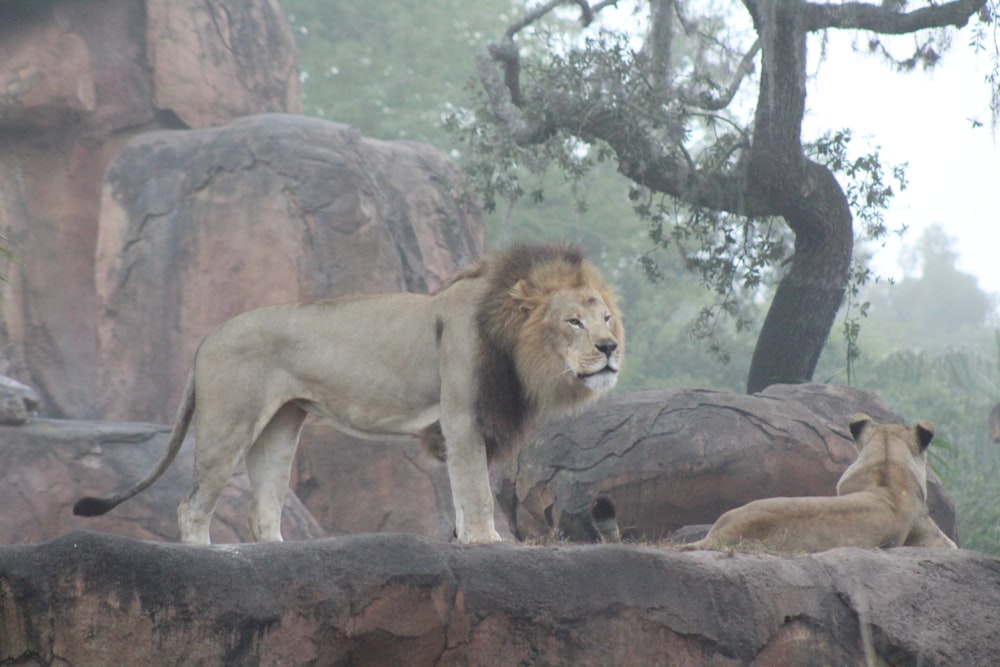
x,y
806,195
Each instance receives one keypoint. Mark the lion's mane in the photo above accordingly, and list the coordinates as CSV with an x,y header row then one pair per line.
x,y
517,376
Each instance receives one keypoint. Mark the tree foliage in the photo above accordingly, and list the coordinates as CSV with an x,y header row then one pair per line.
x,y
708,178
390,68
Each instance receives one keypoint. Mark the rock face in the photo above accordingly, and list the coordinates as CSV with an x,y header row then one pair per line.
x,y
198,226
77,79
17,401
215,61
86,599
50,464
668,459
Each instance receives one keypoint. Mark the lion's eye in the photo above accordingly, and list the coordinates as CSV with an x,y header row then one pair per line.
x,y
575,323
607,319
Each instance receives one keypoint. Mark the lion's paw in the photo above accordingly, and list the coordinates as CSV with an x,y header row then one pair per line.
x,y
486,537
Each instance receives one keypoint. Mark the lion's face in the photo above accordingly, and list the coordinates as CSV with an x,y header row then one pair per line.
x,y
572,348
586,331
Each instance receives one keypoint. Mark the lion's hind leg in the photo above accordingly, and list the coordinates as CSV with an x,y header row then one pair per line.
x,y
220,446
269,466
213,470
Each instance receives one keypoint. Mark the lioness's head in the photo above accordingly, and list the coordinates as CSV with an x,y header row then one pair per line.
x,y
888,455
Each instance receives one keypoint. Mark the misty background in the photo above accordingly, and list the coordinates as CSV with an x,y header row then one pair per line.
x,y
922,332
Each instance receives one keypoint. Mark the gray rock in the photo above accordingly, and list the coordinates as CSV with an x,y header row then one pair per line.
x,y
669,459
17,401
49,464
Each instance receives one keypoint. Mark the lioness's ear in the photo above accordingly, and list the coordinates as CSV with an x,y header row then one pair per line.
x,y
858,422
925,433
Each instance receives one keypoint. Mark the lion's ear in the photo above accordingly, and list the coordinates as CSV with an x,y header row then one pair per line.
x,y
858,422
525,294
925,433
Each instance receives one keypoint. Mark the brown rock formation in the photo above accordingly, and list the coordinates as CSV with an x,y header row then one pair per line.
x,y
668,459
200,225
50,464
86,599
77,79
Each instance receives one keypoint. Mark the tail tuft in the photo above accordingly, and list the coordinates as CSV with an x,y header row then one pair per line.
x,y
92,506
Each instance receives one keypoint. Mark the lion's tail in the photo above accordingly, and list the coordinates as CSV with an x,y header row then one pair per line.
x,y
91,506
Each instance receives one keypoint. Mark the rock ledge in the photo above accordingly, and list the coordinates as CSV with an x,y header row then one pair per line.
x,y
90,599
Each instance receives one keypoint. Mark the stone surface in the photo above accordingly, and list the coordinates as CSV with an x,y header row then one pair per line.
x,y
87,599
77,80
17,401
215,61
198,226
50,464
668,459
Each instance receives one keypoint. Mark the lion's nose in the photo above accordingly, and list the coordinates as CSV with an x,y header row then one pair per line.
x,y
607,347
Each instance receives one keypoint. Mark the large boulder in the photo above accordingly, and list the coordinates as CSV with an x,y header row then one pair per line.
x,y
200,225
669,459
87,599
77,80
50,464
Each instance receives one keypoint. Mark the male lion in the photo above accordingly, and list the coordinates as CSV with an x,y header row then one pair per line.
x,y
881,501
526,333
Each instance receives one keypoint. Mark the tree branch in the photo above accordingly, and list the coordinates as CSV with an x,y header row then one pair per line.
x,y
882,20
506,51
745,68
587,12
642,154
523,131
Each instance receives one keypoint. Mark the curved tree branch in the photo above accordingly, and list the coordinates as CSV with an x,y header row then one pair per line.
x,y
642,157
886,21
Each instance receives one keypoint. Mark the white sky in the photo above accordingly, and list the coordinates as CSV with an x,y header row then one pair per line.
x,y
922,119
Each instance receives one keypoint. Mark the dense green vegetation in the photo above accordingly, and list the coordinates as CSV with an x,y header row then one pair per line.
x,y
929,346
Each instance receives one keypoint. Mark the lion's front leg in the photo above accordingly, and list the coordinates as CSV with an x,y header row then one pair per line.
x,y
470,482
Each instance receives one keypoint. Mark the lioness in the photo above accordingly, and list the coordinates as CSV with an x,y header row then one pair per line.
x,y
881,501
526,333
